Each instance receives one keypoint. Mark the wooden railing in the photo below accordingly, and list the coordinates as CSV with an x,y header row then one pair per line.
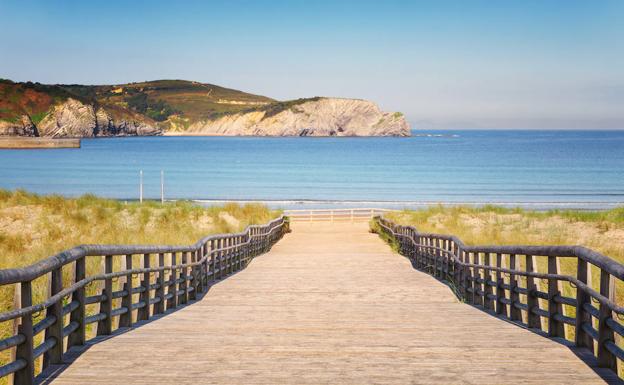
x,y
334,215
181,274
527,285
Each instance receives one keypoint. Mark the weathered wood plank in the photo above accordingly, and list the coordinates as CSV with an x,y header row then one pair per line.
x,y
328,304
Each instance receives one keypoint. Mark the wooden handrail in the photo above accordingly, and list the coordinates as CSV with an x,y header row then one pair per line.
x,y
478,276
210,259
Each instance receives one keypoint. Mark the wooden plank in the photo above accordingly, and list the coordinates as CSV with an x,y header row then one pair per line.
x,y
328,305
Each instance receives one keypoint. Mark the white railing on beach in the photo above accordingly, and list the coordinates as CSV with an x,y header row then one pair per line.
x,y
331,215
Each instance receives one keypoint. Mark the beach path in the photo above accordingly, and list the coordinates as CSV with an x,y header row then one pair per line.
x,y
331,303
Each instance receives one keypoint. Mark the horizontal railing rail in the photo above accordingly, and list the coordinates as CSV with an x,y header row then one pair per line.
x,y
331,215
171,282
507,281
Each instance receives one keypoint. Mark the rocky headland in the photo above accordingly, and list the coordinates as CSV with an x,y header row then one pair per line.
x,y
175,107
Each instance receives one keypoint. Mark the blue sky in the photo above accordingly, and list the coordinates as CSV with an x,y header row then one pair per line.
x,y
445,64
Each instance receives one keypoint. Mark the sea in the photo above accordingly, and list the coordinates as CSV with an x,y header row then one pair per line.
x,y
535,169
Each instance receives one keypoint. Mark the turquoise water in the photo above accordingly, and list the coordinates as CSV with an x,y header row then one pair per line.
x,y
527,168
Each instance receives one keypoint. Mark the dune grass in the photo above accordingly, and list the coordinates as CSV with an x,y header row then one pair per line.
x,y
602,231
33,227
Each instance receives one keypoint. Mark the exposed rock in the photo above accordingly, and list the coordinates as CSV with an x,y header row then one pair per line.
x,y
24,127
321,117
125,124
180,107
76,119
69,119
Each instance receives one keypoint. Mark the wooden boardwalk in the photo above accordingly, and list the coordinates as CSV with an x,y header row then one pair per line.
x,y
330,303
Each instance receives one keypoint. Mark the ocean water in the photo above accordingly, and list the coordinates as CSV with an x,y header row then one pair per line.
x,y
536,169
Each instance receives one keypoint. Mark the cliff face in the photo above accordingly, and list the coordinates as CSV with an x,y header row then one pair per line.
x,y
75,119
314,117
178,107
23,127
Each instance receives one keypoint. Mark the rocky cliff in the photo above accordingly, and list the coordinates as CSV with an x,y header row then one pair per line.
x,y
177,107
74,119
308,117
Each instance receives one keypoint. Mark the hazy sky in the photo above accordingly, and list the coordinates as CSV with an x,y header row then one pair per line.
x,y
457,64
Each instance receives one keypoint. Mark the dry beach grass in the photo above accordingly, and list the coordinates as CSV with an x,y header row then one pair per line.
x,y
33,227
602,231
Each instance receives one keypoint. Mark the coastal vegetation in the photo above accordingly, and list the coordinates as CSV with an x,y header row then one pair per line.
x,y
33,227
179,107
602,231
157,100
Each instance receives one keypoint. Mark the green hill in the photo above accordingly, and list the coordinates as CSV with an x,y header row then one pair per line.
x,y
174,104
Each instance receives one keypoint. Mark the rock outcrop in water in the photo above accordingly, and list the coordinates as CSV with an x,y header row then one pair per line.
x,y
310,117
177,107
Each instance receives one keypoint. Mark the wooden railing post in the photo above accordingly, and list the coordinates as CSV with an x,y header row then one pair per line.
x,y
192,255
488,303
125,319
436,258
606,359
201,269
246,250
159,307
459,272
24,351
55,354
144,312
213,260
205,266
184,277
581,338
220,257
229,256
467,276
239,251
501,308
476,286
172,303
515,314
105,326
555,328
533,320
77,337
17,304
446,270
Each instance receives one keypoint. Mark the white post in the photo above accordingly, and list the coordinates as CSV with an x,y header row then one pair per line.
x,y
351,215
141,186
162,186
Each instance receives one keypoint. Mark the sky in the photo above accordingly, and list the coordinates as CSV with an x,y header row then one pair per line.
x,y
444,64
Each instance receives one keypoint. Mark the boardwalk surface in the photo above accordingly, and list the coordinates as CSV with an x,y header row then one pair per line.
x,y
330,304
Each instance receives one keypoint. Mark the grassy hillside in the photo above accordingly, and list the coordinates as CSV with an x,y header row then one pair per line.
x,y
32,99
172,104
163,99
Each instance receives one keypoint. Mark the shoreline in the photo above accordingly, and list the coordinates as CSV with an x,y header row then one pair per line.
x,y
311,204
